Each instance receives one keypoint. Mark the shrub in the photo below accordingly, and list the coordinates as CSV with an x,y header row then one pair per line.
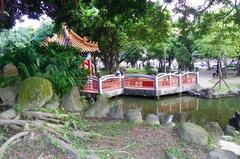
x,y
60,64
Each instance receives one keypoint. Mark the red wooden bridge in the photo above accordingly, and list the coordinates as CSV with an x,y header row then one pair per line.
x,y
141,85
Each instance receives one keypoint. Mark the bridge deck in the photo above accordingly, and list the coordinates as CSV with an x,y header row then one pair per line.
x,y
142,85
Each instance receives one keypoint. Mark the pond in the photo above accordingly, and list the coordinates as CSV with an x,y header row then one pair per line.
x,y
200,110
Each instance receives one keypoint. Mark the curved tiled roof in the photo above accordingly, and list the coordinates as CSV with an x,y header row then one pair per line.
x,y
70,38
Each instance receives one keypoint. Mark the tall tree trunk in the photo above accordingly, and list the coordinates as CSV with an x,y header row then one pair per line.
x,y
225,68
208,64
169,64
238,66
219,68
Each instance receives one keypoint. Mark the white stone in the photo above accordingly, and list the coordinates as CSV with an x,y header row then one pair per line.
x,y
230,146
227,138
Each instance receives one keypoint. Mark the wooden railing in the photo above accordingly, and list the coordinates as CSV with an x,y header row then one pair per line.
x,y
139,81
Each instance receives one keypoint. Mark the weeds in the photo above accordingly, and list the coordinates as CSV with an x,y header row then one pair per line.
x,y
176,152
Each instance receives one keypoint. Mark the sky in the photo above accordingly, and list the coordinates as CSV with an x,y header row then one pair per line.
x,y
36,23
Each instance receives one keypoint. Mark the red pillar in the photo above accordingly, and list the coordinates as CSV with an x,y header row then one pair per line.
x,y
83,64
90,66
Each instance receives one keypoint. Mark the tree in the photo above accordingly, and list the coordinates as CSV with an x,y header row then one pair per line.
x,y
221,39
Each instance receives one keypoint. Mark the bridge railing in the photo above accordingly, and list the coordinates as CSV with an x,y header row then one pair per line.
x,y
167,80
92,85
189,78
138,81
141,81
110,82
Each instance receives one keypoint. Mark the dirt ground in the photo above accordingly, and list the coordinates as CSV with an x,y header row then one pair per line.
x,y
116,140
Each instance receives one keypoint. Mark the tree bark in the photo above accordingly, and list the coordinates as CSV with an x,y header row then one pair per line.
x,y
238,66
225,68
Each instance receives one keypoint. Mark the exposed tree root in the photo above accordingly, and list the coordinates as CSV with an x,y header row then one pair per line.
x,y
41,115
66,146
10,140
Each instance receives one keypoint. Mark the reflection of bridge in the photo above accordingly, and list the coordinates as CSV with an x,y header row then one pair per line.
x,y
142,85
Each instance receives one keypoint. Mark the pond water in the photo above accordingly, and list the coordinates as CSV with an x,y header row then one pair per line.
x,y
200,110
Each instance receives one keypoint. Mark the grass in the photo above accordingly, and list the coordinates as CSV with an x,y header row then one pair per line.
x,y
176,152
135,71
224,88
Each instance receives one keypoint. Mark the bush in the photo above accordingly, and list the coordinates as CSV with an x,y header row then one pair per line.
x,y
59,64
149,69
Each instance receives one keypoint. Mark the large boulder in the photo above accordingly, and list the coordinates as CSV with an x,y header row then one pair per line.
x,y
100,109
222,154
214,129
116,112
71,101
230,146
192,133
8,114
34,92
229,130
134,115
9,95
235,121
152,119
10,70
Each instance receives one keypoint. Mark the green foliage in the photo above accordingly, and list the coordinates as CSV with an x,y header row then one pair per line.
x,y
135,71
176,152
61,65
236,138
184,58
9,81
149,69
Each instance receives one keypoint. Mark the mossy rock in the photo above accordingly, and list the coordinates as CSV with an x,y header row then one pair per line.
x,y
192,133
34,93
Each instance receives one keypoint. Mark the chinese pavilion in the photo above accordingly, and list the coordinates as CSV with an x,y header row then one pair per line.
x,y
70,38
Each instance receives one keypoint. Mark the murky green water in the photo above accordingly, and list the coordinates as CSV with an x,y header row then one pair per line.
x,y
200,110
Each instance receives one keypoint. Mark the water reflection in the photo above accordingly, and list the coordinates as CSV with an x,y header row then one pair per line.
x,y
166,105
199,110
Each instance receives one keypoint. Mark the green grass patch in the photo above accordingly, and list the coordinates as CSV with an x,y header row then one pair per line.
x,y
176,152
224,88
135,71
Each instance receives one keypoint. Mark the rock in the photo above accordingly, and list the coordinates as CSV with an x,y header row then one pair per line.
x,y
169,119
229,130
100,109
116,112
134,115
181,116
9,95
53,105
10,70
235,121
206,93
222,154
8,114
169,155
192,133
34,92
71,101
92,156
214,129
227,138
152,119
230,146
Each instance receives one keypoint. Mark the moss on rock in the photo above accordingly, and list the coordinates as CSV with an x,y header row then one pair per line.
x,y
34,93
